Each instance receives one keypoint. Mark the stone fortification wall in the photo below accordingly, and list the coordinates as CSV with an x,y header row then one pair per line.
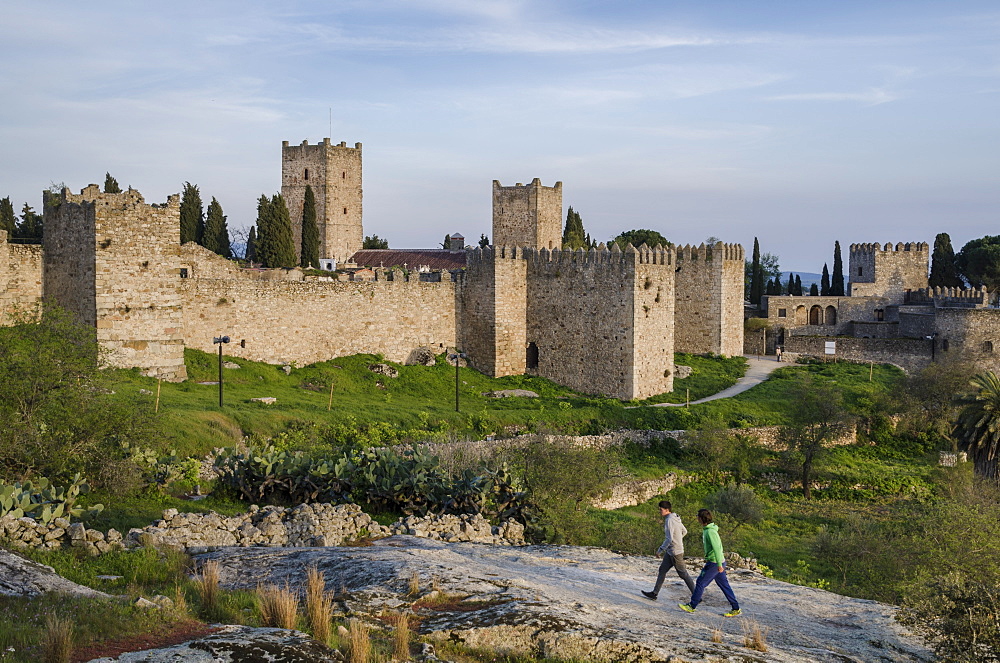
x,y
888,271
827,315
970,335
709,308
961,297
494,305
307,321
602,321
20,278
334,173
910,354
528,216
124,278
916,321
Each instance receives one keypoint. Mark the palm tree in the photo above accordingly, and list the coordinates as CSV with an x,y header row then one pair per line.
x,y
979,423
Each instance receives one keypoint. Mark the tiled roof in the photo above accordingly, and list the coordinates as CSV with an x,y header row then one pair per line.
x,y
410,258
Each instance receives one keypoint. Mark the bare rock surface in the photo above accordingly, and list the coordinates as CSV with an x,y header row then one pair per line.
x,y
582,603
511,393
22,577
237,644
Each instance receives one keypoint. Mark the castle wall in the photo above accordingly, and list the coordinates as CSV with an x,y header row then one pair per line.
x,y
796,312
307,321
123,277
602,321
969,335
20,278
527,216
335,175
709,308
908,353
889,271
494,305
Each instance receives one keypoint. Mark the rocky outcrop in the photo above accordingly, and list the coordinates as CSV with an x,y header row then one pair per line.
x,y
580,603
22,577
231,644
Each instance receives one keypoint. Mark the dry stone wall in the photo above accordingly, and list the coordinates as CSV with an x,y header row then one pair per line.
x,y
20,277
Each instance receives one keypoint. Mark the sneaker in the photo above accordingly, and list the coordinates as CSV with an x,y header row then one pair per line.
x,y
685,607
649,595
733,613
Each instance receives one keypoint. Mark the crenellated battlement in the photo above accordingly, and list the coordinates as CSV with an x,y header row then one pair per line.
x,y
92,194
710,251
535,183
600,255
889,247
942,296
325,143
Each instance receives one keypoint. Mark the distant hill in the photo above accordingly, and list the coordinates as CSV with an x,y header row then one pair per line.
x,y
808,278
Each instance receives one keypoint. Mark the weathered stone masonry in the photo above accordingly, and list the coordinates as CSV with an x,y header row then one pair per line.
x,y
20,277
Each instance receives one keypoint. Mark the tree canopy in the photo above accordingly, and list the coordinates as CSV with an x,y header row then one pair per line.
x,y
641,236
376,242
979,262
192,215
30,226
837,280
8,221
216,232
978,426
309,256
944,274
574,237
111,184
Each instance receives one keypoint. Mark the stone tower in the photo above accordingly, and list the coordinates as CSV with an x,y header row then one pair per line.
x,y
334,173
527,216
889,271
113,261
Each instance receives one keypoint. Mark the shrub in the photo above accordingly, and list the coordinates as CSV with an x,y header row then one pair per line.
x,y
739,502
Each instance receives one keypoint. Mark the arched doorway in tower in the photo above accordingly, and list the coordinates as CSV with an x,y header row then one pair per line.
x,y
831,315
816,315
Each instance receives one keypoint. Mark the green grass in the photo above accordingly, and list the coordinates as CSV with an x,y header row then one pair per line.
x,y
709,375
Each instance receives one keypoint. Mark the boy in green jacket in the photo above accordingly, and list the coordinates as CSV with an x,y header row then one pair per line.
x,y
715,567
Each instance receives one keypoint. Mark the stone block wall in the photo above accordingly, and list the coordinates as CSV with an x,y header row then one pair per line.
x,y
20,278
494,310
969,335
709,309
124,278
889,271
910,354
527,216
334,173
834,315
307,321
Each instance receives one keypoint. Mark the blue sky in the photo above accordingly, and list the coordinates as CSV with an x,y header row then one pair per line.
x,y
800,123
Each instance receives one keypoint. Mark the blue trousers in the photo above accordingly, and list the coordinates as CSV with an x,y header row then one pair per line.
x,y
705,578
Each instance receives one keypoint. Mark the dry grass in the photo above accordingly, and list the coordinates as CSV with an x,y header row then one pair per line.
x,y
180,602
359,642
57,640
207,584
401,636
319,605
716,634
414,584
754,637
278,606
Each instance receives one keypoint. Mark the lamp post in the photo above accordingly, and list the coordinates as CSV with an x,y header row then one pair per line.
x,y
219,340
456,357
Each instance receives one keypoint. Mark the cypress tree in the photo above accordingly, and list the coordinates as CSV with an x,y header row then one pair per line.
x,y
8,221
756,275
31,224
824,288
446,244
573,234
262,247
837,281
944,274
216,232
281,226
484,241
111,184
790,288
192,216
310,231
250,254
814,290
798,285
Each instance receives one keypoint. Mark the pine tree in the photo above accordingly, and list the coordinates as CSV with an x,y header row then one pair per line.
x,y
837,281
250,254
756,275
8,221
943,271
192,216
573,235
310,231
376,242
283,245
111,184
824,287
484,241
262,246
814,290
798,285
216,232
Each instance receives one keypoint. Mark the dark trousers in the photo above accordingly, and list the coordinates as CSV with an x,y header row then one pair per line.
x,y
677,562
708,574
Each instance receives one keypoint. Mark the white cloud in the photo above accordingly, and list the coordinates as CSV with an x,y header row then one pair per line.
x,y
869,97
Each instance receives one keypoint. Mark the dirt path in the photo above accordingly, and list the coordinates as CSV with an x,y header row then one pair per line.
x,y
757,372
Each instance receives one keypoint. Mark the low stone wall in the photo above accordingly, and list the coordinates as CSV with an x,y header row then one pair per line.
x,y
305,525
637,492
